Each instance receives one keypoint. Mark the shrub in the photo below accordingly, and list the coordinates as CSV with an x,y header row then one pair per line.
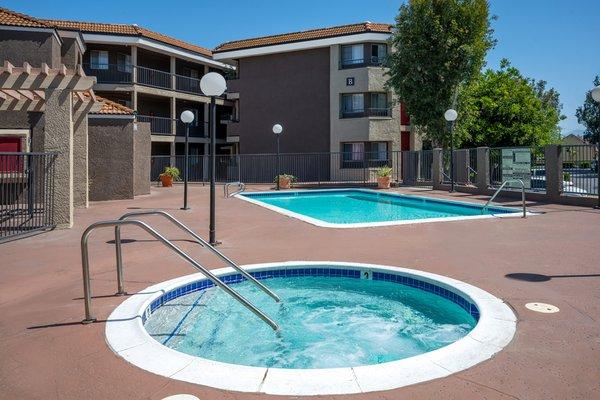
x,y
292,178
172,172
384,172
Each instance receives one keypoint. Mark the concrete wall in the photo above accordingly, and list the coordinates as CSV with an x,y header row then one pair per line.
x,y
33,47
141,159
288,88
80,160
111,159
70,53
34,121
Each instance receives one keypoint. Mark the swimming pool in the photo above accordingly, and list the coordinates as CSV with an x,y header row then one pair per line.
x,y
352,208
344,328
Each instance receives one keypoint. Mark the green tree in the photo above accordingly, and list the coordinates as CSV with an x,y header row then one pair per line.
x,y
438,45
504,108
589,115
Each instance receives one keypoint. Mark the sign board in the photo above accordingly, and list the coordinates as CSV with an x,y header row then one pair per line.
x,y
516,164
350,81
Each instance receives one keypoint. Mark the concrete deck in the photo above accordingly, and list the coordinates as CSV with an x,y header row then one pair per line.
x,y
45,353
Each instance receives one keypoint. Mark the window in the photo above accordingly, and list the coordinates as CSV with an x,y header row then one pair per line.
x,y
378,53
124,63
99,59
379,105
365,154
352,55
353,105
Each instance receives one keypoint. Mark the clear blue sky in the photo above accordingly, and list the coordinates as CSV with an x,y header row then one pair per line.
x,y
554,40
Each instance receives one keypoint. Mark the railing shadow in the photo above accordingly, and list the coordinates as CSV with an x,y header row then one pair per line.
x,y
530,277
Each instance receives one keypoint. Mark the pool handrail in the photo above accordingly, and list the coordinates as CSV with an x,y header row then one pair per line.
x,y
504,183
241,188
213,278
199,240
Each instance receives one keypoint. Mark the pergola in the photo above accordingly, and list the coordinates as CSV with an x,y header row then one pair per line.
x,y
65,97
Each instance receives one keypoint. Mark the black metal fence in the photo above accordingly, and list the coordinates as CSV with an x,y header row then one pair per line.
x,y
580,169
500,157
307,168
26,193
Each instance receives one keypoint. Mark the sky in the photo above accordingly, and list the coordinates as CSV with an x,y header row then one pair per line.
x,y
553,40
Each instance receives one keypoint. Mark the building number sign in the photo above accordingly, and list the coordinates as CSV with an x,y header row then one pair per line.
x,y
350,81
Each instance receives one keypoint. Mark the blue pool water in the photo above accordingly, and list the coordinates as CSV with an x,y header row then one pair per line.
x,y
326,322
363,206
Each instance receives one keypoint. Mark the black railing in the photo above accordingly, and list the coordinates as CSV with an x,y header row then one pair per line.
x,y
158,125
357,113
580,169
110,73
373,61
153,77
188,84
197,129
26,193
369,112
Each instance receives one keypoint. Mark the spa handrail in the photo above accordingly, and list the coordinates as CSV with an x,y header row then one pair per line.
x,y
502,187
199,240
241,188
214,279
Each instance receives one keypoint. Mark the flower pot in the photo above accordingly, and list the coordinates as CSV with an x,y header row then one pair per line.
x,y
166,180
285,183
383,182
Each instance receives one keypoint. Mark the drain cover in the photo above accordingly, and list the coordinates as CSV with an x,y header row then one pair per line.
x,y
542,307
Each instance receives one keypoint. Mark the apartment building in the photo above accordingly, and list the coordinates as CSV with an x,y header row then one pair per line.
x,y
325,86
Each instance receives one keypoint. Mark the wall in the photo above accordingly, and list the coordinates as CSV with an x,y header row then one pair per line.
x,y
111,155
291,89
141,159
70,53
34,121
33,47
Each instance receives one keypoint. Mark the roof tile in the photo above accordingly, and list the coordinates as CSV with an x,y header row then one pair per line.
x,y
11,18
313,34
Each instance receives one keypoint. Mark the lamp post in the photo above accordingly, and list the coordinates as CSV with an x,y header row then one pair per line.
x,y
212,85
187,117
277,129
596,98
450,116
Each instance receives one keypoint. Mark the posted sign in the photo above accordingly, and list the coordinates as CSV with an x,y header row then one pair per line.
x,y
516,164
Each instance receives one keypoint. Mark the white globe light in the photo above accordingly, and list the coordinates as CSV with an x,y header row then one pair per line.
x,y
596,94
450,115
213,84
187,117
277,129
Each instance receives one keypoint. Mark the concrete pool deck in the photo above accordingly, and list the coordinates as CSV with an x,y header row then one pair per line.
x,y
46,353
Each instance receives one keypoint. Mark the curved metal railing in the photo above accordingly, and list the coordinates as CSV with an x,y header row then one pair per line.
x,y
213,278
241,188
502,187
199,240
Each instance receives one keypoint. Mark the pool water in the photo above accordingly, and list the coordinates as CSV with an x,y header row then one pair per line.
x,y
363,206
325,323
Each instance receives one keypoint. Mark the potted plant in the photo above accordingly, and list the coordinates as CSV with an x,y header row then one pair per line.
x,y
169,175
285,181
384,176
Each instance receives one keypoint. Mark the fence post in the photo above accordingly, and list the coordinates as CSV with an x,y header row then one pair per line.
x,y
483,169
436,166
554,171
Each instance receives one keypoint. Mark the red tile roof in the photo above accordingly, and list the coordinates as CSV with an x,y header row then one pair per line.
x,y
322,33
11,18
109,107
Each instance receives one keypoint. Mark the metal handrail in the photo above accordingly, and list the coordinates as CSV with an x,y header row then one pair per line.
x,y
226,193
199,240
213,278
502,187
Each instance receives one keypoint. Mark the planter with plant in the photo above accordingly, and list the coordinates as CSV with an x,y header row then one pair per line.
x,y
384,177
169,175
285,181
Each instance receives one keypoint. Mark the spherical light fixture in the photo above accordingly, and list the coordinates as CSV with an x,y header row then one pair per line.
x,y
596,94
277,129
213,84
450,115
187,117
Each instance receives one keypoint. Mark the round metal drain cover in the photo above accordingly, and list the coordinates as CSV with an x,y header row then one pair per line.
x,y
542,307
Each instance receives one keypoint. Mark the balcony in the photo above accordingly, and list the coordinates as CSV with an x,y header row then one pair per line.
x,y
362,62
369,112
196,130
110,73
158,125
153,77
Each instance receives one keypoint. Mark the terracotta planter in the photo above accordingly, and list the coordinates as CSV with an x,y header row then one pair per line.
x,y
285,183
166,180
383,182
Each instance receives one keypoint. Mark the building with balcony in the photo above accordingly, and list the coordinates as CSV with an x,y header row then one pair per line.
x,y
327,87
155,75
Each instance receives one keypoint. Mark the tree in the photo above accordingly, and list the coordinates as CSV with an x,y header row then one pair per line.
x,y
589,115
504,108
438,45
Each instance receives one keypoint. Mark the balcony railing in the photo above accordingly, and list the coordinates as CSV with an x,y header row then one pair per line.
x,y
153,77
110,73
188,84
369,112
197,129
158,125
362,62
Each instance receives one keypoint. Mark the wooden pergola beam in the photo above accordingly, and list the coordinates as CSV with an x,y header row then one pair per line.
x,y
29,78
27,94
